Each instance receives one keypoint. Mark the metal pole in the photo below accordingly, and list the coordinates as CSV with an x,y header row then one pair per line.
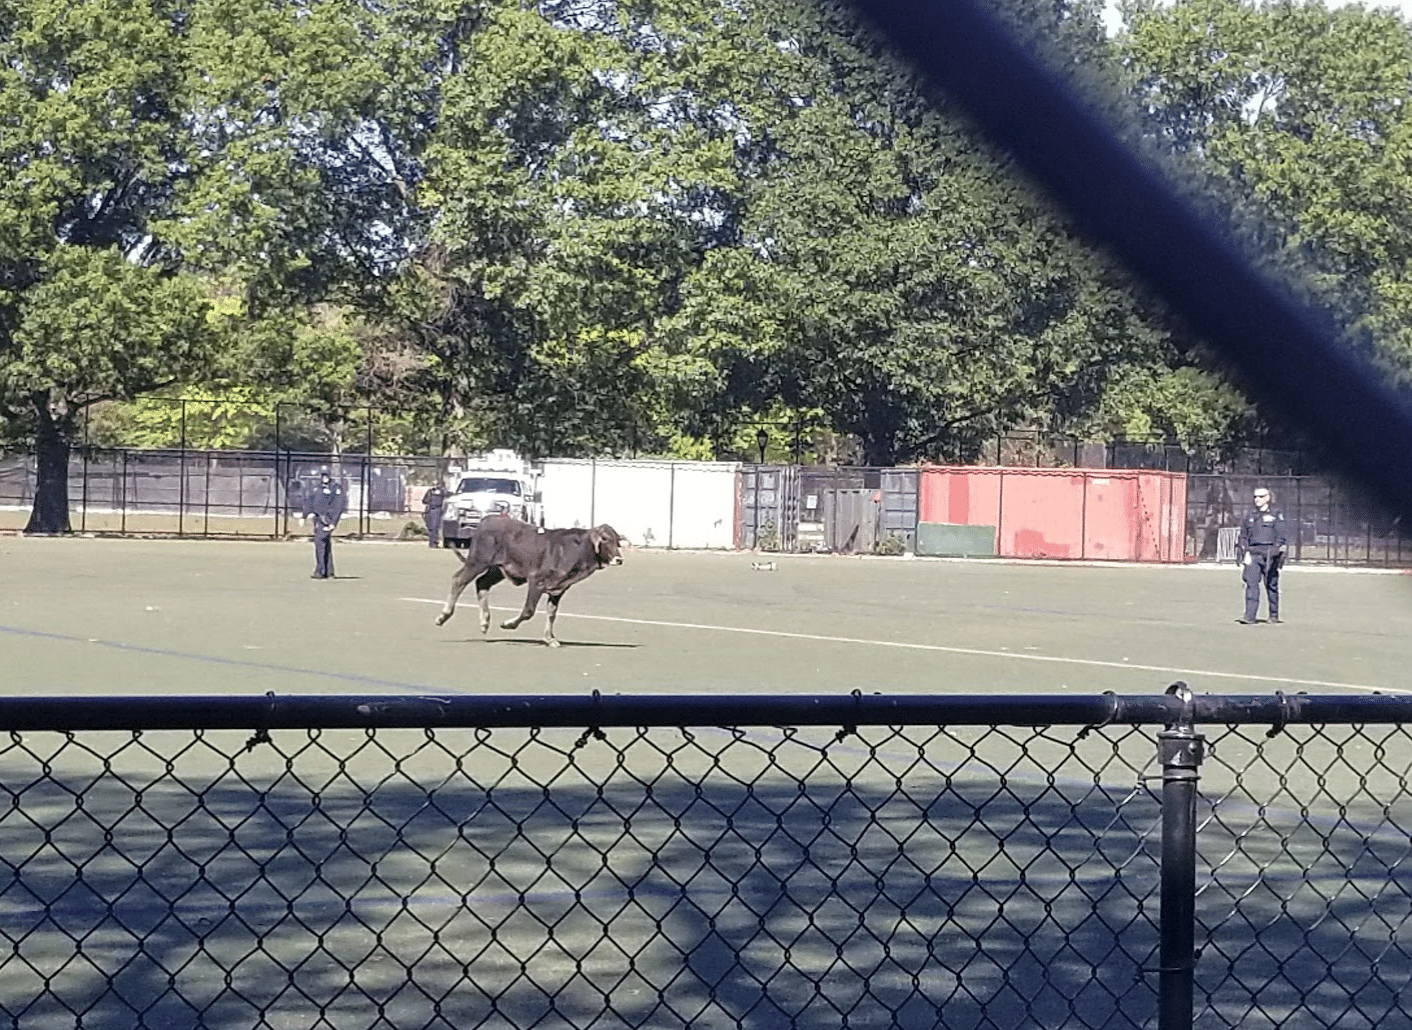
x,y
181,484
1298,518
281,501
1000,516
671,502
1083,515
1334,537
366,518
83,517
1180,749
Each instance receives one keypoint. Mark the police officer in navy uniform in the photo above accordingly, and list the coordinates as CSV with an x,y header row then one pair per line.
x,y
326,507
433,501
1260,549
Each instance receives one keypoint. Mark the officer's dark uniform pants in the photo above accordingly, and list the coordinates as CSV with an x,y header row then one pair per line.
x,y
1262,568
323,550
433,522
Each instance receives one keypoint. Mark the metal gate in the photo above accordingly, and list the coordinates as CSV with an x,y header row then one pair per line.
x,y
852,520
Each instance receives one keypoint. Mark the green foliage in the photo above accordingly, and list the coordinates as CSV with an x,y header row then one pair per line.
x,y
885,269
95,324
769,539
892,544
1186,405
191,416
153,148
1304,114
641,229
770,209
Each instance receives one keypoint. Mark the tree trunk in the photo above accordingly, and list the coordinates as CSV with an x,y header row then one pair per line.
x,y
878,448
53,440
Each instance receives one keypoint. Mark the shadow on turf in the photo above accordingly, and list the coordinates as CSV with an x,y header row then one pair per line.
x,y
731,898
539,642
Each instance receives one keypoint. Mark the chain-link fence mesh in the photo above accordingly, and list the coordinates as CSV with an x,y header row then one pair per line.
x,y
214,493
1305,890
919,876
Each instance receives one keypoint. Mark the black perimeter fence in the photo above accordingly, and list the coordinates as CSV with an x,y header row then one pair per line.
x,y
724,861
224,494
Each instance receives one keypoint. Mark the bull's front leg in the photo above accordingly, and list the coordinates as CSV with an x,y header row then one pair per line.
x,y
483,596
532,594
464,575
550,612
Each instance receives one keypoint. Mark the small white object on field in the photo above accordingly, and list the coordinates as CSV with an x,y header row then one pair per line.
x,y
763,566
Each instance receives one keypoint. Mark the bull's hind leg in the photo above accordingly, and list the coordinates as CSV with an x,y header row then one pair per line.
x,y
462,579
550,612
484,582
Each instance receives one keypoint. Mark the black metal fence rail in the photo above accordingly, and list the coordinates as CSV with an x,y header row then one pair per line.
x,y
741,861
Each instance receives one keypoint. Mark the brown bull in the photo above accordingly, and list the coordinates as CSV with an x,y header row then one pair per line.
x,y
549,560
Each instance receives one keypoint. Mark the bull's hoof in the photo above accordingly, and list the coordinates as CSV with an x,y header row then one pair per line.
x,y
512,624
551,642
442,618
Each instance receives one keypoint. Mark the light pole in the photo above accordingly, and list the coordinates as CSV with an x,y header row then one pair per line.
x,y
762,437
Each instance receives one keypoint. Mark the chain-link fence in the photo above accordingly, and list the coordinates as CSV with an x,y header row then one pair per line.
x,y
1327,521
379,862
220,493
716,505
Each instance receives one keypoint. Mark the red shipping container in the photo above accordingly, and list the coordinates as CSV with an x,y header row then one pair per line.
x,y
1096,514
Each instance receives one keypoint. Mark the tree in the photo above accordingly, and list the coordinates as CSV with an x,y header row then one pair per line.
x,y
1304,115
152,149
888,269
563,202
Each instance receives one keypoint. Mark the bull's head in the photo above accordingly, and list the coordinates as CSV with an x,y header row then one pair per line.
x,y
605,542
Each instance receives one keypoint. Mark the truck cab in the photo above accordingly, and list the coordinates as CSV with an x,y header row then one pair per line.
x,y
498,483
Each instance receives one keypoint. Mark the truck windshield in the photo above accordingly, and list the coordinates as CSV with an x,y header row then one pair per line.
x,y
489,485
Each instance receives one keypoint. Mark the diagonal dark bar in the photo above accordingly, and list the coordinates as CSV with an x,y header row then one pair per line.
x,y
1290,356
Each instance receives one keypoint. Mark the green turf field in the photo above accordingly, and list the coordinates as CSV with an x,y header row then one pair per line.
x,y
981,857
196,617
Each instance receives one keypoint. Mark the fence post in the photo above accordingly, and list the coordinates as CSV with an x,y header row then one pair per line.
x,y
281,495
365,519
1180,749
181,483
83,516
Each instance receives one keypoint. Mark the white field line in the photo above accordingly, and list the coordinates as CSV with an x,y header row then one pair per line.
x,y
977,652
